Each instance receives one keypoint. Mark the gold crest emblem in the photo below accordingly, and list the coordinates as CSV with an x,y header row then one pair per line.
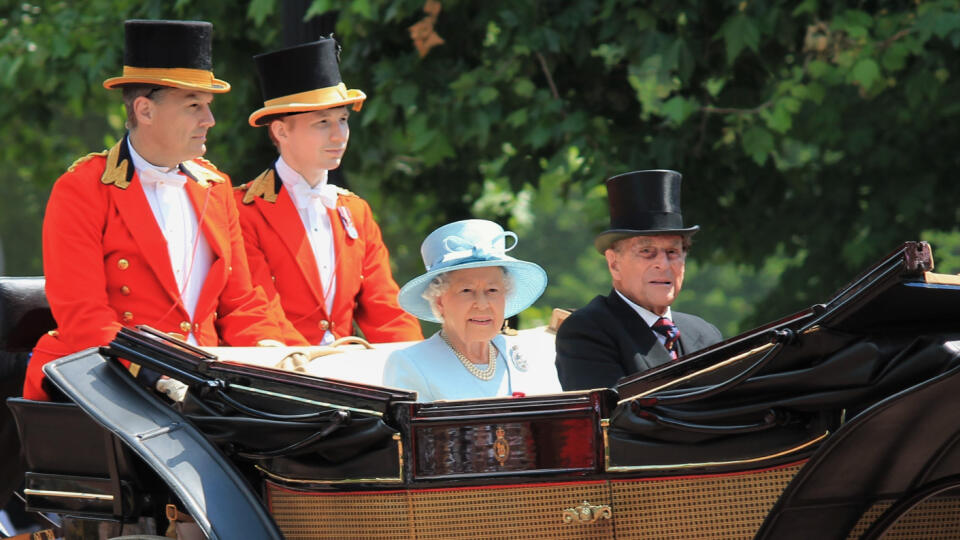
x,y
501,448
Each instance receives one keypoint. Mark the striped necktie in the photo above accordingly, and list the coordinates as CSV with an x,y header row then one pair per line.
x,y
670,332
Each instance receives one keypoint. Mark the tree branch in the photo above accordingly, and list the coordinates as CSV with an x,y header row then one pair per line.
x,y
886,43
703,134
729,110
546,72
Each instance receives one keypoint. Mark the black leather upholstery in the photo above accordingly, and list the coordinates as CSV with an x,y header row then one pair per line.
x,y
52,427
24,313
24,317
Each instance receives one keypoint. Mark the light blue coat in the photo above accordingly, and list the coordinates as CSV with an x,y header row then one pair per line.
x,y
433,370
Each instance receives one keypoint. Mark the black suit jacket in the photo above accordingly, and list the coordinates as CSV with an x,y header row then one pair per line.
x,y
606,340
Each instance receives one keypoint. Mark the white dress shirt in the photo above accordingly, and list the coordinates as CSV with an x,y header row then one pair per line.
x,y
188,249
649,317
312,204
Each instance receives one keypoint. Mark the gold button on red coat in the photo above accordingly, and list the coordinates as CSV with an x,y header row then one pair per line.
x,y
324,325
185,326
123,264
127,316
124,290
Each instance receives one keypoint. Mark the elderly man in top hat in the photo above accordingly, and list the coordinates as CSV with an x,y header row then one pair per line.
x,y
633,328
147,232
313,246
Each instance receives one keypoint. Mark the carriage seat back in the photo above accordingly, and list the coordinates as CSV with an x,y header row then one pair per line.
x,y
24,313
74,465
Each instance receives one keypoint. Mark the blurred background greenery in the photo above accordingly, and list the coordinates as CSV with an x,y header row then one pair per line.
x,y
814,136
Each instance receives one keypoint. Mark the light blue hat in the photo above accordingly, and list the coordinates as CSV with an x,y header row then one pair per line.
x,y
472,243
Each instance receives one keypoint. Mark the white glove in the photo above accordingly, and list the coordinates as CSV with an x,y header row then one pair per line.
x,y
172,388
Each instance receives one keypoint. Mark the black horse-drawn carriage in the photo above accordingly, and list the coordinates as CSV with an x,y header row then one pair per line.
x,y
835,422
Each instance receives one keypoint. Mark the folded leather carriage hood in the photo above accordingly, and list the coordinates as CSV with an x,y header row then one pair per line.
x,y
209,486
799,400
905,448
329,446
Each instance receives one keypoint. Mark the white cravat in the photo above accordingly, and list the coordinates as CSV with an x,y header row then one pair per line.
x,y
189,252
312,204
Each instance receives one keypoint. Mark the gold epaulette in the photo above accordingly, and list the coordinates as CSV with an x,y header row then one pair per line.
x,y
116,171
207,162
261,186
345,192
202,174
85,159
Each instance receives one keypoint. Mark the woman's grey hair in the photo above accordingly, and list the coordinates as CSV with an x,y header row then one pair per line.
x,y
441,282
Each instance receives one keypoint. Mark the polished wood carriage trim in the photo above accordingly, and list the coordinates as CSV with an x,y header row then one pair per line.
x,y
941,279
447,489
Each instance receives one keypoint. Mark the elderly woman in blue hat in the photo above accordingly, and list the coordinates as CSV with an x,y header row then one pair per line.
x,y
470,287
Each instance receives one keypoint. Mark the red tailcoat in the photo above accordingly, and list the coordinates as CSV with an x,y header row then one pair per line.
x,y
282,262
107,265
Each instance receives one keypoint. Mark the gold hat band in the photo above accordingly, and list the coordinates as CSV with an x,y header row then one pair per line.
x,y
320,95
313,100
198,77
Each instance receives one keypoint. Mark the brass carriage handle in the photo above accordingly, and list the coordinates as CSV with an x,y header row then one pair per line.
x,y
587,513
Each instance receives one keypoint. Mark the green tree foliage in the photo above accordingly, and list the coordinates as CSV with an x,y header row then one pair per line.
x,y
821,132
54,57
813,136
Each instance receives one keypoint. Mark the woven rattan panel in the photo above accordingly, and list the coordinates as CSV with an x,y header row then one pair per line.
x,y
516,512
936,518
304,516
729,506
487,513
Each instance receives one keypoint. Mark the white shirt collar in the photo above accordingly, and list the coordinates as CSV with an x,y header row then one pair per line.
x,y
141,164
301,192
649,317
290,177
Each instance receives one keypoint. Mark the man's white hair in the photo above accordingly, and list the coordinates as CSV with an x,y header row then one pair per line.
x,y
441,282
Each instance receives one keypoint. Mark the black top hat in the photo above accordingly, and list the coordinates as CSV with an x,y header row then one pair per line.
x,y
643,203
302,78
168,53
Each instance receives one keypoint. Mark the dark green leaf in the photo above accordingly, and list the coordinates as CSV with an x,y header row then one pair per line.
x,y
259,10
865,72
758,143
739,32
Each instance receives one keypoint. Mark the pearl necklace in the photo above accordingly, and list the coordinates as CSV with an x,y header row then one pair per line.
x,y
482,374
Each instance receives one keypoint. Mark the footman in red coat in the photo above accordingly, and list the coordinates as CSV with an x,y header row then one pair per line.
x,y
147,232
315,247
